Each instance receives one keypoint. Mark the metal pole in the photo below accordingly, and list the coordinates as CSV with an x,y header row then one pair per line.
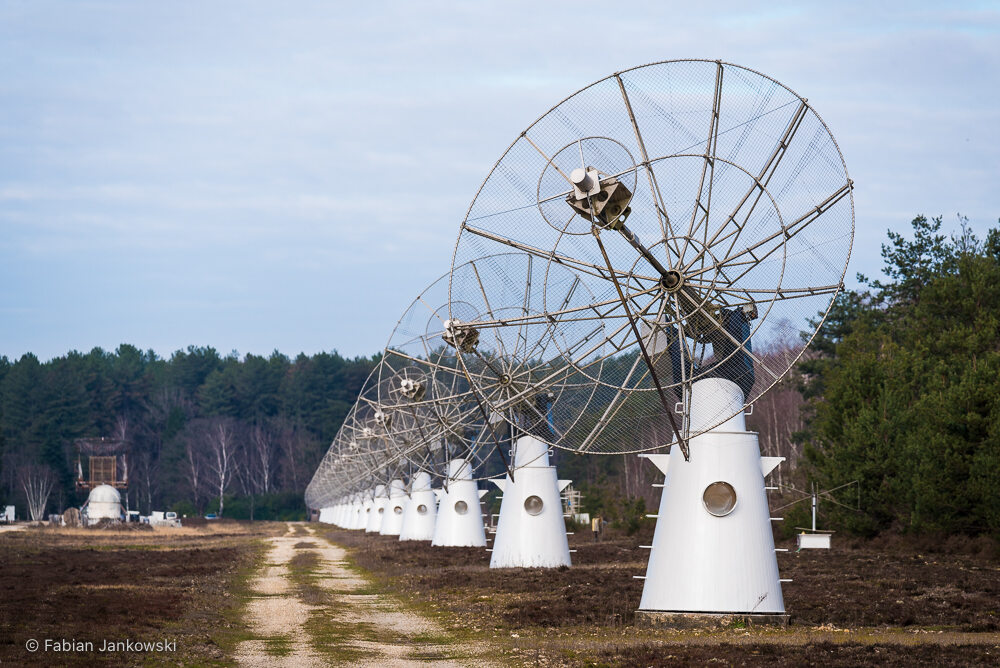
x,y
815,501
645,252
642,348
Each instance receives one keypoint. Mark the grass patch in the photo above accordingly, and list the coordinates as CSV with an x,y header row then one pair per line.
x,y
278,646
331,637
130,548
304,575
328,635
431,639
239,587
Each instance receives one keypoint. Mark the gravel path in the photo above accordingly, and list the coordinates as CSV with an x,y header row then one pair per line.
x,y
325,613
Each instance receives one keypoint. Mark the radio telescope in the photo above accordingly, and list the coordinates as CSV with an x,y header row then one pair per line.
x,y
514,355
332,489
431,354
387,440
707,206
361,465
425,383
333,477
432,405
709,212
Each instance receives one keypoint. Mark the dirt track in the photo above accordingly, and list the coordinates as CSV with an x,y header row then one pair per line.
x,y
310,609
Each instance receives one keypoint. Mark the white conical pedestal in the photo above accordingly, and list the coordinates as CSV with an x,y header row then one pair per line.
x,y
419,511
343,516
706,558
377,510
338,514
358,516
531,531
392,519
367,508
459,520
346,507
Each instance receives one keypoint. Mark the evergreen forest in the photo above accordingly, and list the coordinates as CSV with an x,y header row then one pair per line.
x,y
273,416
903,393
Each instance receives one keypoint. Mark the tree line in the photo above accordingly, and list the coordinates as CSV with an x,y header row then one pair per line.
x,y
205,431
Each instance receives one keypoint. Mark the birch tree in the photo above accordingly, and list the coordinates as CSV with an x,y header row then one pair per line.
x,y
37,482
221,457
193,459
261,458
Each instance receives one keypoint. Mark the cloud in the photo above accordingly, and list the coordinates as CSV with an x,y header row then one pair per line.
x,y
316,159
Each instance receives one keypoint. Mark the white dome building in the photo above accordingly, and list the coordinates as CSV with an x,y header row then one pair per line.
x,y
104,503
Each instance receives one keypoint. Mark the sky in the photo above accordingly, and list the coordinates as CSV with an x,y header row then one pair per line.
x,y
259,176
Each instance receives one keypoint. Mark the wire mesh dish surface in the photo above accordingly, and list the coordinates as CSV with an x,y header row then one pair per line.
x,y
684,220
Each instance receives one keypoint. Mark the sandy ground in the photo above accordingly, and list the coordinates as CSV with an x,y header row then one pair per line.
x,y
363,629
12,527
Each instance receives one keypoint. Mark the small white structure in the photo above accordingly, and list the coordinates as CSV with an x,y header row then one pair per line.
x,y
340,516
807,541
104,503
9,516
531,531
377,511
159,518
459,520
814,540
713,550
420,510
392,519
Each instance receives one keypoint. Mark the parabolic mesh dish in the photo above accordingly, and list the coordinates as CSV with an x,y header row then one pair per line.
x,y
360,456
426,387
700,208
